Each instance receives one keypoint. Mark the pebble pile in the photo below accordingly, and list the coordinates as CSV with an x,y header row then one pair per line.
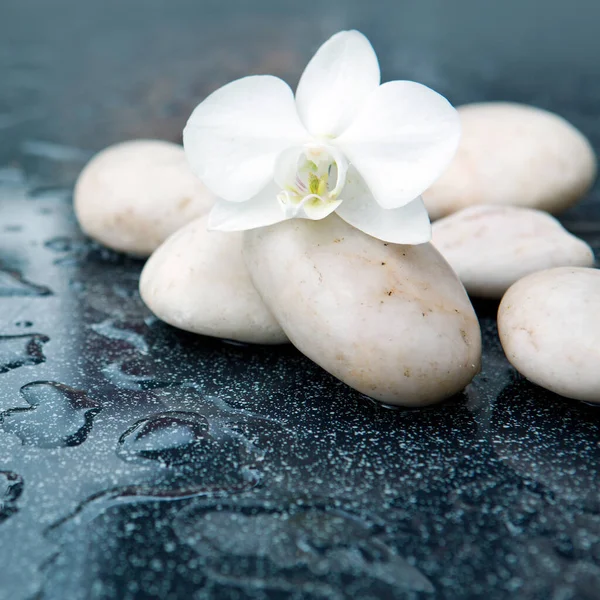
x,y
394,322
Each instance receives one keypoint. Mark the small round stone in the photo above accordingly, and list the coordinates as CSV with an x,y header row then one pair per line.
x,y
391,321
549,326
491,247
132,196
197,281
514,154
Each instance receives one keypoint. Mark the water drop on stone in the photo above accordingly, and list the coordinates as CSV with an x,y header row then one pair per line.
x,y
125,332
24,324
11,487
59,416
12,283
171,438
243,543
135,375
60,244
21,350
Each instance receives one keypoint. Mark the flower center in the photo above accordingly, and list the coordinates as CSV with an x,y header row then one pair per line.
x,y
311,178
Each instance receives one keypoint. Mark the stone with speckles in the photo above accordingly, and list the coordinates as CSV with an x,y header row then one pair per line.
x,y
197,281
393,322
132,196
549,326
491,247
514,154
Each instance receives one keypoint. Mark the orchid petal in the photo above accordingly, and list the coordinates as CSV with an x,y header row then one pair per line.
x,y
336,83
402,140
261,211
286,167
408,224
234,137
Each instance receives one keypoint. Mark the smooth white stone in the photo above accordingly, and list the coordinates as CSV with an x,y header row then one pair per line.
x,y
197,281
514,154
132,196
491,247
393,322
549,326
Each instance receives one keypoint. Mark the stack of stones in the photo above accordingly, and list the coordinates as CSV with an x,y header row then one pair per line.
x,y
394,322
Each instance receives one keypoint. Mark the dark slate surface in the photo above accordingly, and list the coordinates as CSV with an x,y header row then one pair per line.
x,y
137,461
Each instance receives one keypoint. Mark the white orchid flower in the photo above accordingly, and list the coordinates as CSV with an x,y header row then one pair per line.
x,y
345,144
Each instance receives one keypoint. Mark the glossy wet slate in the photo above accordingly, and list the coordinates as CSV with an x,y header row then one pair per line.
x,y
137,461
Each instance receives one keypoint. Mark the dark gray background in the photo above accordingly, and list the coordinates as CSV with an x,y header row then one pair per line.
x,y
149,463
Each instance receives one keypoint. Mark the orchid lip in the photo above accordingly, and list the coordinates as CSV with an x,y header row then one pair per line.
x,y
311,177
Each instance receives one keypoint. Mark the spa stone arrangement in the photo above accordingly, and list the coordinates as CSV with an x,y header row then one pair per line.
x,y
321,238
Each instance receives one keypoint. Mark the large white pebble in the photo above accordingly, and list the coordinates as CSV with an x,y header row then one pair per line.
x,y
393,322
549,325
197,281
491,247
132,196
514,154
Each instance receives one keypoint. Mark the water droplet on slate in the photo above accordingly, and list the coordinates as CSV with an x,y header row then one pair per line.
x,y
235,343
591,404
12,283
171,438
288,545
24,324
11,487
61,244
378,404
21,350
59,416
112,329
135,375
73,250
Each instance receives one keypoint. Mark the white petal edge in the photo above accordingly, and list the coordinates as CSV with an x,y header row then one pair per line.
x,y
408,224
402,141
336,83
261,211
233,138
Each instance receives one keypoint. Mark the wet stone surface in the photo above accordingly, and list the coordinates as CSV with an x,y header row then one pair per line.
x,y
137,461
13,284
58,416
11,487
20,350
